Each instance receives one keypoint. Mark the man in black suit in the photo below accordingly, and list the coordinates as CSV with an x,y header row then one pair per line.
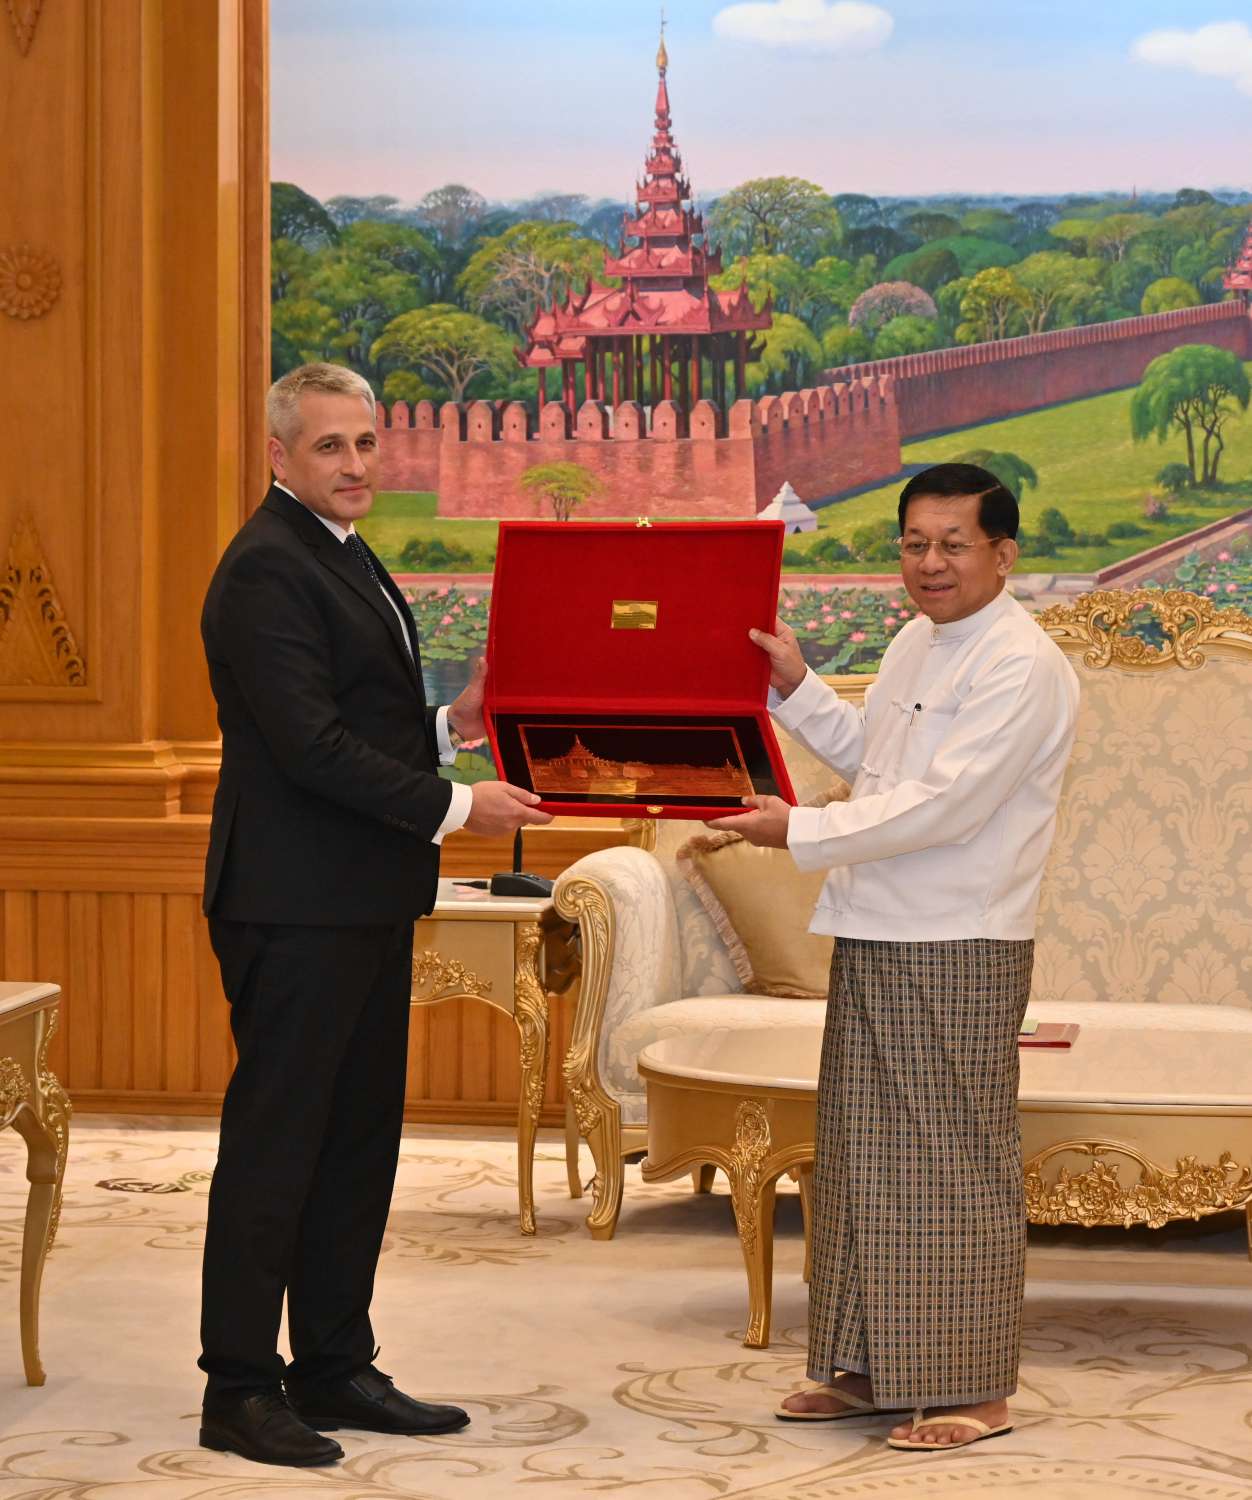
x,y
323,851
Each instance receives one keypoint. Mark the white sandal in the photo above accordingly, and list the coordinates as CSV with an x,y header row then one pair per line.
x,y
946,1419
853,1406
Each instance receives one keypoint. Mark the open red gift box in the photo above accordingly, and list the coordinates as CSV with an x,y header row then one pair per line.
x,y
621,678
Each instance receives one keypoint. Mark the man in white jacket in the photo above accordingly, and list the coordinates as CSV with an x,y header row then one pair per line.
x,y
935,864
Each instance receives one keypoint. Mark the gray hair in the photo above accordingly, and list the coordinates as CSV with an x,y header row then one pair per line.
x,y
282,402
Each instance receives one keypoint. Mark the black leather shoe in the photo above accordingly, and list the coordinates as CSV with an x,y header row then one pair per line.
x,y
370,1402
264,1428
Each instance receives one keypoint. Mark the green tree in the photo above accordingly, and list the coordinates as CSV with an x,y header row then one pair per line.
x,y
452,213
1194,389
1060,288
564,486
362,295
1109,236
930,267
842,345
775,213
1013,472
305,331
399,247
993,307
906,335
790,356
857,210
513,274
1169,293
449,345
929,225
974,253
345,209
290,265
990,224
298,216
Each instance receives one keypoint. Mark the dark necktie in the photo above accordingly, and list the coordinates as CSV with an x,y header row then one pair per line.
x,y
360,552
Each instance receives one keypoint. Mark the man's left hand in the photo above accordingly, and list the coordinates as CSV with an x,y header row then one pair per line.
x,y
465,712
764,824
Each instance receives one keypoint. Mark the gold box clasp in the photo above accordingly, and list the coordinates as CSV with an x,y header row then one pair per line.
x,y
634,614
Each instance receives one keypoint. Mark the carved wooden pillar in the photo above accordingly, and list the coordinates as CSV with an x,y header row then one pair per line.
x,y
134,358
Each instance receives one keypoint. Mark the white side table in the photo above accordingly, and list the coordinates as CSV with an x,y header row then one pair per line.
x,y
509,952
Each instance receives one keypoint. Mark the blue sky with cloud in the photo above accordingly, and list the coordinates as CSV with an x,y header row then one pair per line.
x,y
906,96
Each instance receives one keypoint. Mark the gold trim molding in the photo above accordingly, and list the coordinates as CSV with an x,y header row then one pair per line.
x,y
24,18
1192,624
30,280
37,646
1097,1196
448,976
13,1088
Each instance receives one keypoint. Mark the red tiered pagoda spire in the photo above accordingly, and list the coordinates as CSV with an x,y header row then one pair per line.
x,y
1238,278
651,338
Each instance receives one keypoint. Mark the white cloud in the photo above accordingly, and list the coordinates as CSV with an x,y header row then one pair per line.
x,y
1220,50
841,26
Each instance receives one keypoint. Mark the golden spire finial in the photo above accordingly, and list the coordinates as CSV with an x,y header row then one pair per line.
x,y
662,57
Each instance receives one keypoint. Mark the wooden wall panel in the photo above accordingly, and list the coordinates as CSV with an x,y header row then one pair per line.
x,y
146,1029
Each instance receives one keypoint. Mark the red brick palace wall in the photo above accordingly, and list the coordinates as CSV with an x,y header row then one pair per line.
x,y
949,388
823,441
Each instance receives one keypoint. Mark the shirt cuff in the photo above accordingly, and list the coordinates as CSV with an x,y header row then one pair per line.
x,y
804,837
458,812
443,738
801,702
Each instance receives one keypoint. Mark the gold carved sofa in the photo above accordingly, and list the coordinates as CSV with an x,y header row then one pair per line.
x,y
1144,937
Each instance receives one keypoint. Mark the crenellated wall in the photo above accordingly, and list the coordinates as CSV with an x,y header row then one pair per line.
x,y
948,388
823,441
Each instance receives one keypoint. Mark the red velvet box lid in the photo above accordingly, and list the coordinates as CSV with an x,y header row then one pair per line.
x,y
550,638
559,645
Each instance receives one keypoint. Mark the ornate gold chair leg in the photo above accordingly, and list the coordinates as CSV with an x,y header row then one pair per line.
x,y
601,1123
530,1011
805,1176
45,1170
702,1177
573,1173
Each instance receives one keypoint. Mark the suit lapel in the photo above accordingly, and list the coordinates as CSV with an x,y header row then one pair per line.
x,y
334,556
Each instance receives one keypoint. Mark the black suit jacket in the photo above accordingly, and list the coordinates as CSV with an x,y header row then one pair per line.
x,y
329,794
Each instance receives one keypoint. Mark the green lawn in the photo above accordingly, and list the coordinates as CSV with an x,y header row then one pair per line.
x,y
1088,468
398,516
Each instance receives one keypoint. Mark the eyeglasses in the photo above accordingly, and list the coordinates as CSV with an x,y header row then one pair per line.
x,y
918,549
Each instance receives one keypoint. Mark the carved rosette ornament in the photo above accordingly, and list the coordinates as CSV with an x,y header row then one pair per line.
x,y
440,978
30,281
13,1088
1098,1196
1191,624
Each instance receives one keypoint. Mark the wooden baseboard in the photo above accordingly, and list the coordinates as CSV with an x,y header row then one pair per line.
x,y
418,1111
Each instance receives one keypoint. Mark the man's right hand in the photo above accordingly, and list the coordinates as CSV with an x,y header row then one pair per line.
x,y
500,808
786,665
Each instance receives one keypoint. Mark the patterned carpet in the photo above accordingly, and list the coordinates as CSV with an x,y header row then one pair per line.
x,y
598,1369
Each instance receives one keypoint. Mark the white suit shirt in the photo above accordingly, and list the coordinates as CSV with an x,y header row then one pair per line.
x,y
956,764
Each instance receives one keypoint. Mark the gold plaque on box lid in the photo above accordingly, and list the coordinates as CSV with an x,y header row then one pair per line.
x,y
634,614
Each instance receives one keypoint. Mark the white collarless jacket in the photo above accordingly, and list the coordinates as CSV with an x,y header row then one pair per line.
x,y
956,763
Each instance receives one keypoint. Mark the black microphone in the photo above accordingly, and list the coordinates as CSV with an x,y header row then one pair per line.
x,y
516,882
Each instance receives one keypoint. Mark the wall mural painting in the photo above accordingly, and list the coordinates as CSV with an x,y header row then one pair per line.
x,y
919,235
